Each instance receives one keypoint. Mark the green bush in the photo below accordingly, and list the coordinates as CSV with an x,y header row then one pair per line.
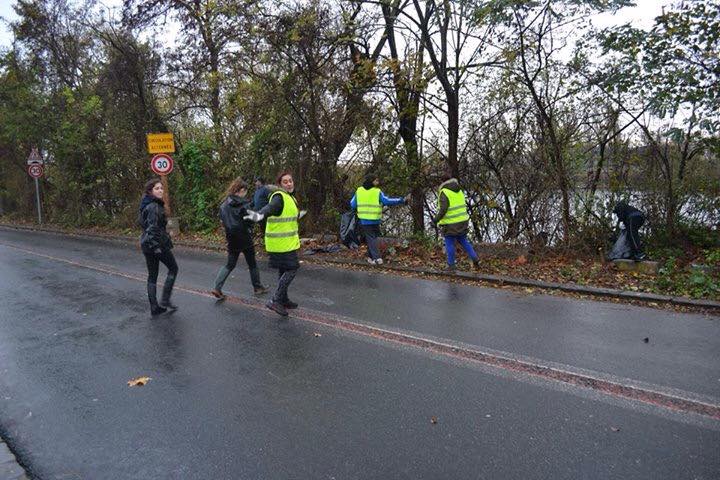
x,y
197,190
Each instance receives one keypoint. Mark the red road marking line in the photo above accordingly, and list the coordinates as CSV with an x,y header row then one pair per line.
x,y
609,387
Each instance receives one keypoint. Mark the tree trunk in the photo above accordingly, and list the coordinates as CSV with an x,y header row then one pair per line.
x,y
453,133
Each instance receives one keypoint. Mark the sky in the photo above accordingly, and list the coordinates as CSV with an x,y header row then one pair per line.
x,y
640,15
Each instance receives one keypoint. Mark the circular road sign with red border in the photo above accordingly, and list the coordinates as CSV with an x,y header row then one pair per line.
x,y
35,170
162,164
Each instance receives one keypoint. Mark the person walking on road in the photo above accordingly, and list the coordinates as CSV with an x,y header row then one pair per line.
x,y
632,219
282,239
452,217
157,246
238,234
368,201
260,198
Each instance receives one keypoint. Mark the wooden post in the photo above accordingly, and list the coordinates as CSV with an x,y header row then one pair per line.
x,y
166,195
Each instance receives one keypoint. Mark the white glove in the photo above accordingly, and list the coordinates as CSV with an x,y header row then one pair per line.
x,y
301,214
253,216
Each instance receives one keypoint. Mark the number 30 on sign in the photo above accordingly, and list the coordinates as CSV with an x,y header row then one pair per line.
x,y
161,164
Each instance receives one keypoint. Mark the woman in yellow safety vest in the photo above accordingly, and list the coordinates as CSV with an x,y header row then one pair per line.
x,y
368,202
452,217
282,240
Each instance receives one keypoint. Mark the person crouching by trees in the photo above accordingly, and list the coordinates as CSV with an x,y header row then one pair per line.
x,y
157,246
452,217
238,234
368,201
282,239
632,219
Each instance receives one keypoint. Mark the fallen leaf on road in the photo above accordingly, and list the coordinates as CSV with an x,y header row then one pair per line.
x,y
646,340
615,429
433,420
138,382
317,334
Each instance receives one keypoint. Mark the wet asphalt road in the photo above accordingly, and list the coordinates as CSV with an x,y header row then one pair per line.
x,y
236,393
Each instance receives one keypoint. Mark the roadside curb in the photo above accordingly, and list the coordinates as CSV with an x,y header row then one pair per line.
x,y
10,469
565,287
491,279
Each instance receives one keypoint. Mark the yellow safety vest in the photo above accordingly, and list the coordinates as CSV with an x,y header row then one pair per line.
x,y
368,203
281,232
457,210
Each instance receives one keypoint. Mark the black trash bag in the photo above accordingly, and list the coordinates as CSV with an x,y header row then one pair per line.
x,y
350,230
621,249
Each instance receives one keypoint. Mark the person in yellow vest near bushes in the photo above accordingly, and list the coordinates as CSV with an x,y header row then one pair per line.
x,y
452,217
368,201
282,239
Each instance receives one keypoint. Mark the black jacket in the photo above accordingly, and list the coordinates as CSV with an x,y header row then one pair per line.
x,y
276,205
623,212
459,228
238,232
154,238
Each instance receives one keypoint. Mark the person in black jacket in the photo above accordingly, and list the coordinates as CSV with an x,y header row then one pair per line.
x,y
632,219
238,234
157,246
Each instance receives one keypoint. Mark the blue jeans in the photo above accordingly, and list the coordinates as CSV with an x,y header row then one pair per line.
x,y
463,241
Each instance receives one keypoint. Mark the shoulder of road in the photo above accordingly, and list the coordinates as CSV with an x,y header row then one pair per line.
x,y
650,299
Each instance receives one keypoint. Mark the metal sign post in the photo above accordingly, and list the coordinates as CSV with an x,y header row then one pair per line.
x,y
162,164
37,199
36,170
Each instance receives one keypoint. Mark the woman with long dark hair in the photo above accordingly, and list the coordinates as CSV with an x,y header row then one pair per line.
x,y
238,234
157,246
282,239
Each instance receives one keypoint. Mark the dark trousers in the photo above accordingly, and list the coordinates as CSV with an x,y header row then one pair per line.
x,y
232,259
152,260
632,225
153,265
371,233
285,277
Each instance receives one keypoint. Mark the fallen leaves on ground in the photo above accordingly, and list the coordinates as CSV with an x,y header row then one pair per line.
x,y
317,334
138,382
433,420
550,265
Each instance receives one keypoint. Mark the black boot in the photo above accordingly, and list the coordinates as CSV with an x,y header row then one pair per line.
x,y
277,308
167,291
155,309
289,304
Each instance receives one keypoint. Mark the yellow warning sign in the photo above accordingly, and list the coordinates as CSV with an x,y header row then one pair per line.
x,y
160,143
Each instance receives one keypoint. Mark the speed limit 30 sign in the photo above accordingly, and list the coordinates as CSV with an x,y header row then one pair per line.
x,y
161,164
35,170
